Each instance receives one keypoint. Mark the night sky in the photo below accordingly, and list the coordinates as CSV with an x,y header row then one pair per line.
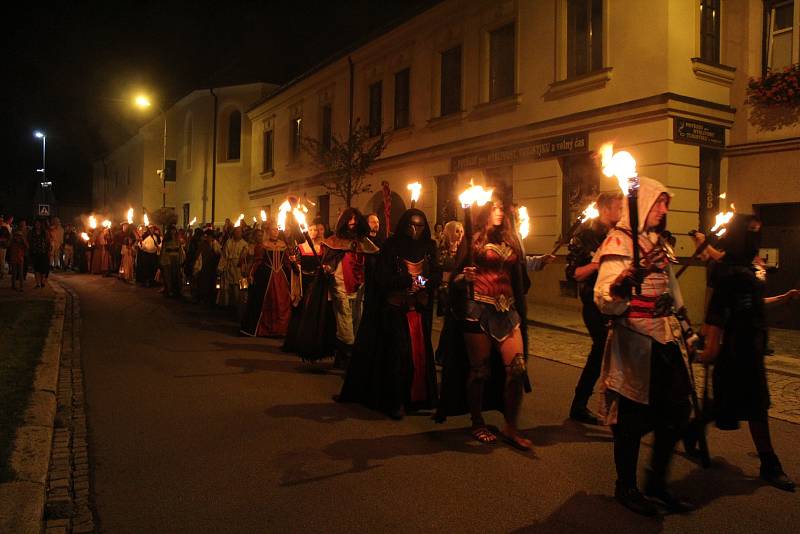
x,y
72,68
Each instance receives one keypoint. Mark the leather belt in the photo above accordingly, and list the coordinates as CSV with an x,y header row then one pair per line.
x,y
501,303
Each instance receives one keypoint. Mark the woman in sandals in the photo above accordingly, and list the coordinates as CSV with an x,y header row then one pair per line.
x,y
487,295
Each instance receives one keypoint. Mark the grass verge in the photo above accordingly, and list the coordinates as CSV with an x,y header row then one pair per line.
x,y
23,330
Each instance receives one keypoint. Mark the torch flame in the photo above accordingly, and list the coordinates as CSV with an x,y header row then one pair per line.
x,y
106,224
415,189
619,164
475,194
721,222
284,208
524,222
130,215
84,236
92,222
193,221
300,217
255,220
263,216
146,220
723,196
590,212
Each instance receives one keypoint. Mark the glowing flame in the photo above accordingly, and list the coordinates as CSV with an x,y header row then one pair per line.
x,y
106,224
415,189
84,236
255,220
723,196
130,216
475,194
619,164
92,222
146,220
238,223
263,216
282,211
300,217
524,222
590,212
722,220
193,221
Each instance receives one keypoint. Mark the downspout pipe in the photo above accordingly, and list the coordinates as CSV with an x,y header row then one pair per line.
x,y
214,156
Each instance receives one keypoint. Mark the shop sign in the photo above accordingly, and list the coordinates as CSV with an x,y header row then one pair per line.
x,y
532,150
692,132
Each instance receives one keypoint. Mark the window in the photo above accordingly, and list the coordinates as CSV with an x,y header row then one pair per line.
x,y
187,143
501,62
451,81
269,164
709,30
402,90
326,126
375,105
234,135
778,34
297,137
584,36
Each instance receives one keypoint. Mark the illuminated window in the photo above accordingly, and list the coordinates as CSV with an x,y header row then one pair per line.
x,y
234,135
402,91
778,34
375,107
709,30
501,62
584,36
451,81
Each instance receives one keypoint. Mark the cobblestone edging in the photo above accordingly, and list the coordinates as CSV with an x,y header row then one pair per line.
x,y
22,500
68,507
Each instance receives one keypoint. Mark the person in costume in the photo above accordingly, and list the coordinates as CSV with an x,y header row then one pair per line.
x,y
735,333
307,266
169,261
644,381
126,272
100,259
345,259
582,268
233,253
487,328
392,369
268,316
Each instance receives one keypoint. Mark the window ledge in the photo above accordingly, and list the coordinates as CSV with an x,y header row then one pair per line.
x,y
402,133
713,72
229,162
445,121
267,174
496,107
579,84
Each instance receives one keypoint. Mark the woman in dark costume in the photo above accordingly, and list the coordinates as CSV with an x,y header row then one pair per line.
x,y
307,261
392,369
485,367
735,330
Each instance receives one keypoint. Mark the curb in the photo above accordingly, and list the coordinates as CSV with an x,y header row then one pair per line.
x,y
22,501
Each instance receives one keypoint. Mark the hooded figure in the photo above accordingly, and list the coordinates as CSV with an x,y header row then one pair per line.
x,y
645,380
392,369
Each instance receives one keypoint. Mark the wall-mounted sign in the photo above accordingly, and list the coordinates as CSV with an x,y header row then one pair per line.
x,y
532,150
770,256
692,132
44,210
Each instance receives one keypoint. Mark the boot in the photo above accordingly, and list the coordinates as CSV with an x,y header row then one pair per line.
x,y
772,472
655,488
632,499
582,414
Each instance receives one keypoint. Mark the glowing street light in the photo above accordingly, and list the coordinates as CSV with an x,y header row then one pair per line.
x,y
41,135
143,102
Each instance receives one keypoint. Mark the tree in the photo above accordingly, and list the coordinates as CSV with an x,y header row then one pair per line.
x,y
347,162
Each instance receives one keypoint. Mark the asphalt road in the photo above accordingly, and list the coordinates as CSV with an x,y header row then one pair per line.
x,y
194,429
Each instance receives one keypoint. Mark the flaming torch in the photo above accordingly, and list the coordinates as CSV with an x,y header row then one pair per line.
x,y
130,216
106,224
146,220
263,216
283,209
300,217
587,214
720,227
92,222
524,222
416,189
474,194
85,236
623,166
193,221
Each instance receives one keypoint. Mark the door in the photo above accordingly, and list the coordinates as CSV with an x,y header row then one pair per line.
x,y
781,230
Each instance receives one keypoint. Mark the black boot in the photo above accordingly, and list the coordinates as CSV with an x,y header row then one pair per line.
x,y
656,488
582,414
631,498
772,472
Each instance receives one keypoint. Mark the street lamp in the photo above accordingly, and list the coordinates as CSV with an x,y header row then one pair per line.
x,y
40,135
143,102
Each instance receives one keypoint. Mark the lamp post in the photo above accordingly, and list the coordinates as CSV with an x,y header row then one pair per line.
x,y
143,102
43,170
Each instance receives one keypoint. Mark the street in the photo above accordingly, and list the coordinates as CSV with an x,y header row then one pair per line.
x,y
195,429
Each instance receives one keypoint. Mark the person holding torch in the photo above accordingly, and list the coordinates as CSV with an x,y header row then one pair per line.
x,y
645,383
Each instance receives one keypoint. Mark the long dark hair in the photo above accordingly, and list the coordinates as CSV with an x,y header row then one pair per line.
x,y
486,232
362,228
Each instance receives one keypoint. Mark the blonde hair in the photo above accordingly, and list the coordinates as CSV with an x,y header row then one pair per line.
x,y
450,232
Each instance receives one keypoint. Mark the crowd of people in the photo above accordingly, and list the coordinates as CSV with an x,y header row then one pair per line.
x,y
367,298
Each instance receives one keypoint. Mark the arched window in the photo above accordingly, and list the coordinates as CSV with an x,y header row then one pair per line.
x,y
234,135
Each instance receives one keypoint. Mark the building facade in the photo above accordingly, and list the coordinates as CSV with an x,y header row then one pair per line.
x,y
128,176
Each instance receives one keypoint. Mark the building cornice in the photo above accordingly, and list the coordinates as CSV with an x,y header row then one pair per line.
x,y
763,147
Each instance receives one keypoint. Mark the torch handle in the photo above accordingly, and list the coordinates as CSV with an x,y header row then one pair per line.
x,y
699,250
567,238
633,211
470,260
313,248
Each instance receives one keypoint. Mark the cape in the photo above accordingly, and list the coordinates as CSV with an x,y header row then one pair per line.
x,y
363,244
